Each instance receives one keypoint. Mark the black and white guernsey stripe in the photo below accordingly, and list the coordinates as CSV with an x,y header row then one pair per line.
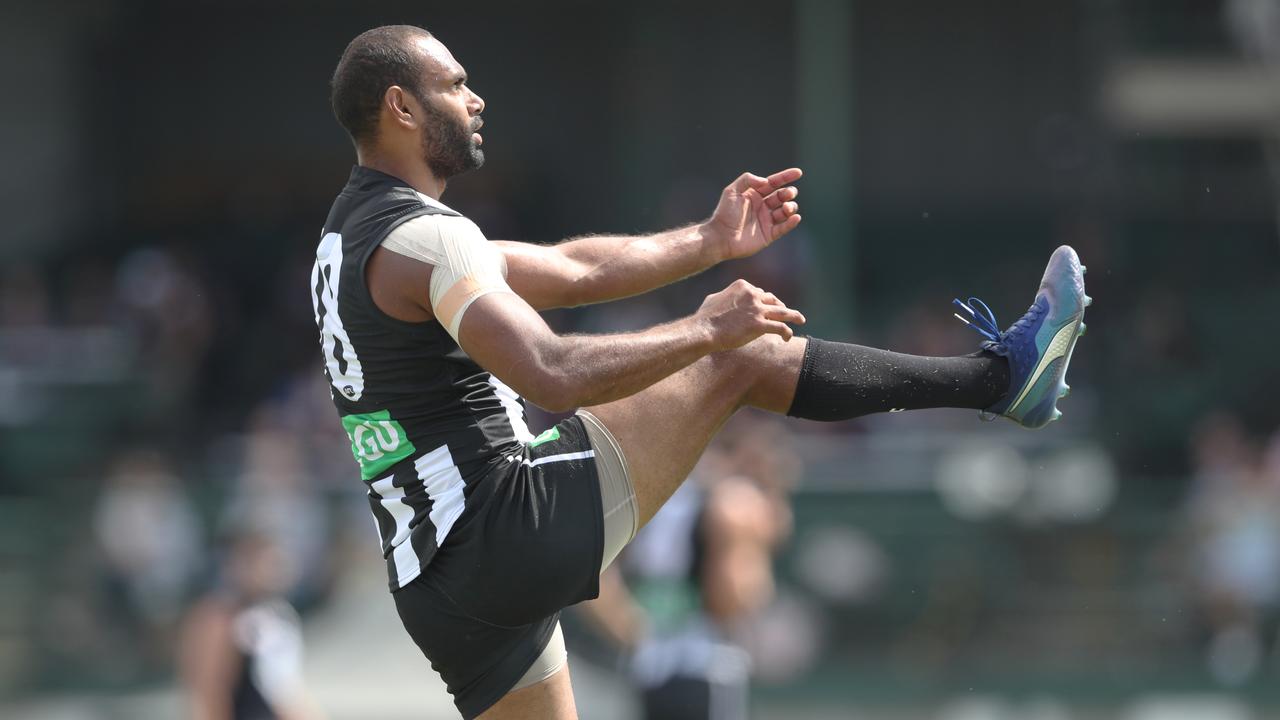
x,y
424,420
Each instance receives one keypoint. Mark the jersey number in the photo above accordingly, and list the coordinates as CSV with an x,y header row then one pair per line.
x,y
341,364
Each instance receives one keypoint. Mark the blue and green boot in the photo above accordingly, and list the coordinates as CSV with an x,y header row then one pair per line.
x,y
1039,345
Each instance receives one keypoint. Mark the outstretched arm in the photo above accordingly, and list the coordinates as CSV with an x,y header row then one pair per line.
x,y
510,339
457,280
753,212
507,337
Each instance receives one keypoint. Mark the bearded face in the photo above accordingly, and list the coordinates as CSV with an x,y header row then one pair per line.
x,y
448,144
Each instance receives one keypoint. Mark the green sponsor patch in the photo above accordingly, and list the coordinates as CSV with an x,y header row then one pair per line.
x,y
546,437
377,441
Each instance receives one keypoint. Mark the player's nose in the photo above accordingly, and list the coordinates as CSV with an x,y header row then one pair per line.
x,y
476,104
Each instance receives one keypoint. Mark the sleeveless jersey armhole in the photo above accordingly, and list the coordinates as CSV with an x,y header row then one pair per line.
x,y
378,313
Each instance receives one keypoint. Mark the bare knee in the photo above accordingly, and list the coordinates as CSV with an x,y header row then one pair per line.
x,y
762,373
737,371
752,356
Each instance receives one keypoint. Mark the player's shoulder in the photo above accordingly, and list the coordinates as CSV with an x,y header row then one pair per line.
x,y
440,225
432,207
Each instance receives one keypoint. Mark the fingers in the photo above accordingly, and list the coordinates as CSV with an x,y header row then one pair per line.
x,y
766,185
768,303
777,199
747,181
777,328
781,329
771,308
776,317
785,314
785,177
784,211
786,226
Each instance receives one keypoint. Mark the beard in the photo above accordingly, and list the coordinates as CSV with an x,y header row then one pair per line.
x,y
447,145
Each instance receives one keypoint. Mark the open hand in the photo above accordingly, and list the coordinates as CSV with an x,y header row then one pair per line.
x,y
754,211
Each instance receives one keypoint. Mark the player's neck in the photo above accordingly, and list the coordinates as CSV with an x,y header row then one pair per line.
x,y
414,172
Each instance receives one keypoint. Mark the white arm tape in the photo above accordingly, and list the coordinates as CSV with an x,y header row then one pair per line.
x,y
466,266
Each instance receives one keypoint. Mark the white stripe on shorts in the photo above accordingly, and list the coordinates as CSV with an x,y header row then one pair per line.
x,y
563,457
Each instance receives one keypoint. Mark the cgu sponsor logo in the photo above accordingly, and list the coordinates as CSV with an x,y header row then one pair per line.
x,y
377,441
373,441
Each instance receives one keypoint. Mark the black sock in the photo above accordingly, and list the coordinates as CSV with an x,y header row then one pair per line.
x,y
839,381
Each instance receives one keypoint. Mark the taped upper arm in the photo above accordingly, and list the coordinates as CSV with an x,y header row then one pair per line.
x,y
465,266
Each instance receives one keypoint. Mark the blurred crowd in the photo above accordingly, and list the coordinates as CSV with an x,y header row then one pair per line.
x,y
153,426
1231,548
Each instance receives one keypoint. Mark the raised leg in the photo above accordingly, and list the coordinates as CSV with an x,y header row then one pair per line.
x,y
664,429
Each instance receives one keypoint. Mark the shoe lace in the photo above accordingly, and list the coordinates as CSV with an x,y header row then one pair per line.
x,y
983,321
980,318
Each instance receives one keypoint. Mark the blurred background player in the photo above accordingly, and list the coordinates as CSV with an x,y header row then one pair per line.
x,y
699,572
241,651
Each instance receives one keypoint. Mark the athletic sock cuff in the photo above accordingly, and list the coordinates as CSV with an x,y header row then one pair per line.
x,y
804,403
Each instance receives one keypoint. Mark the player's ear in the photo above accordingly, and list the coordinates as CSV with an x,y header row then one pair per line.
x,y
400,105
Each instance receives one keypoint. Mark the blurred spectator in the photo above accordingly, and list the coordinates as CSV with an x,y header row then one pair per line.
x,y
149,537
241,650
275,495
1235,521
170,312
300,408
699,572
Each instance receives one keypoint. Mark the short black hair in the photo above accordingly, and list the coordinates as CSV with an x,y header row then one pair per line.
x,y
373,62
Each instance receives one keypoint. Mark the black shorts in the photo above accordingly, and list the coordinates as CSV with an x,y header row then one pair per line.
x,y
485,607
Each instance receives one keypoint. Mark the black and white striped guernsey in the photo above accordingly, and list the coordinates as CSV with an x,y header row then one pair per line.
x,y
423,418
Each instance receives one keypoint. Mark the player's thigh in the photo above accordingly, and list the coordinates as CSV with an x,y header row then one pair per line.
x,y
664,429
551,699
